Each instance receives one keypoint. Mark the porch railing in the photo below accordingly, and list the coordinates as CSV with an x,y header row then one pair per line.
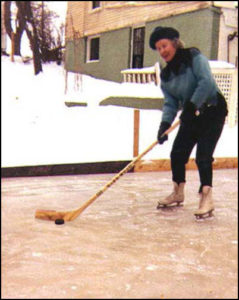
x,y
224,74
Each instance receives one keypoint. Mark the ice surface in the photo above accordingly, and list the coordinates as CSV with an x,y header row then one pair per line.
x,y
120,246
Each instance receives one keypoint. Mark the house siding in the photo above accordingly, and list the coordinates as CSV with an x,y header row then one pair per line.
x,y
114,55
115,45
228,25
112,15
190,26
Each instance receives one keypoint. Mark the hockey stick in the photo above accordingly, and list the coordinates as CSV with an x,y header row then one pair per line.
x,y
52,215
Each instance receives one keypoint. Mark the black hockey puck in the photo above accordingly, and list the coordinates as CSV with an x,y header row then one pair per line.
x,y
59,221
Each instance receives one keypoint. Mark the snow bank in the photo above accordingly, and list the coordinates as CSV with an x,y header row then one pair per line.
x,y
39,129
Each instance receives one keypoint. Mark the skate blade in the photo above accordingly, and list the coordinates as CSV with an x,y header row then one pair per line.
x,y
173,205
206,215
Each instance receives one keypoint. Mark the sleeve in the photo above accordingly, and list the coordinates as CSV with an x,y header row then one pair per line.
x,y
205,80
170,107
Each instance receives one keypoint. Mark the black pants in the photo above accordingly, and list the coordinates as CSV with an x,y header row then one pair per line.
x,y
203,132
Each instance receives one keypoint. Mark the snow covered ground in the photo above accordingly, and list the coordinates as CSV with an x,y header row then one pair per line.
x,y
39,129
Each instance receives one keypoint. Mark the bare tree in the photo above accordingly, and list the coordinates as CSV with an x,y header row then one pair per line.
x,y
50,37
26,15
19,26
46,40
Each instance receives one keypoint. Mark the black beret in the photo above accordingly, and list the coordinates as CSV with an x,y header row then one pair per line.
x,y
162,33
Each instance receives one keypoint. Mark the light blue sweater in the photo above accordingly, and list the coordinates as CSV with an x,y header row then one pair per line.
x,y
192,81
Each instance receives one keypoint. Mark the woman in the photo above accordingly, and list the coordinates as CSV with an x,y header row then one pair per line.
x,y
188,84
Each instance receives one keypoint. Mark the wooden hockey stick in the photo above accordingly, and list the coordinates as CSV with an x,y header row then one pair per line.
x,y
52,215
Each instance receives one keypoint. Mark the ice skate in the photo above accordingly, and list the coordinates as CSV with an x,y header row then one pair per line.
x,y
176,197
206,206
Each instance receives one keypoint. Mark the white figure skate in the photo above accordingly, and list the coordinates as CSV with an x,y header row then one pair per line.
x,y
206,205
177,196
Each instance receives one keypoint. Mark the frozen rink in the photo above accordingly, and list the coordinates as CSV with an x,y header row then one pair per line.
x,y
120,246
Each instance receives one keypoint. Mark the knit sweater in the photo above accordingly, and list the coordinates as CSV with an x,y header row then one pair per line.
x,y
187,77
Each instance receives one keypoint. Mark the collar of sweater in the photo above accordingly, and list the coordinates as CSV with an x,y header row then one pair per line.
x,y
182,56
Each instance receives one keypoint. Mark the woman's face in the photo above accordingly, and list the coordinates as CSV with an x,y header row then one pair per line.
x,y
166,49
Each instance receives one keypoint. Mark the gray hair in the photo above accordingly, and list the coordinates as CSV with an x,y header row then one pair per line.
x,y
178,44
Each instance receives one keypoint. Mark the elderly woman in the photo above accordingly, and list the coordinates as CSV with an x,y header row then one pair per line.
x,y
188,84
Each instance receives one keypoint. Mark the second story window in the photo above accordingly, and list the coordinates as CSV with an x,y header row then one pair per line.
x,y
93,49
95,4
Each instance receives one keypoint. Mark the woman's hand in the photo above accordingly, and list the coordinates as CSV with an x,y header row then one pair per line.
x,y
162,128
189,112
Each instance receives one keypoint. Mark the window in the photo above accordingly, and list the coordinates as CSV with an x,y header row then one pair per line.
x,y
138,47
93,49
95,4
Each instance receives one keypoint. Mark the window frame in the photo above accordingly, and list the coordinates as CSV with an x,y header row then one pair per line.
x,y
88,49
139,25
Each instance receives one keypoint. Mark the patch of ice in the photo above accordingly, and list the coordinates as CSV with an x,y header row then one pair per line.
x,y
151,267
128,287
36,254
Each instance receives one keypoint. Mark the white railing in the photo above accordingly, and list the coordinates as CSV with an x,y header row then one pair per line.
x,y
225,75
143,75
